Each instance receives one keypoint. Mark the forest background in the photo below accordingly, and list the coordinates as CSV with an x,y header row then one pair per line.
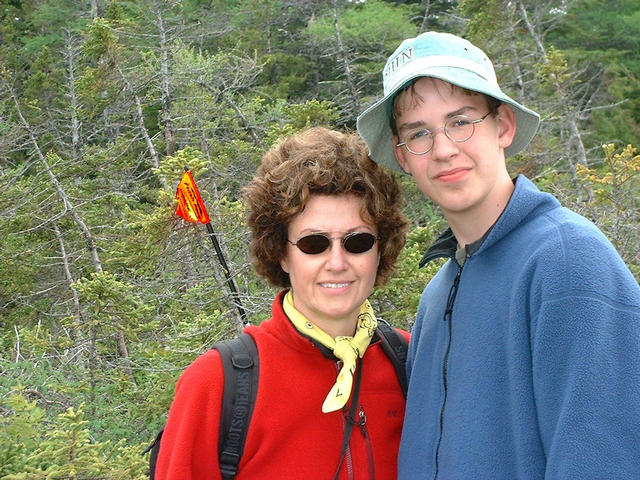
x,y
106,295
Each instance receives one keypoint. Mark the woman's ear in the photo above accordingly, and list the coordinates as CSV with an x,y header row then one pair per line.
x,y
506,125
283,265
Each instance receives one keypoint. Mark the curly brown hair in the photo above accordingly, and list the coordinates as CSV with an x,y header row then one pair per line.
x,y
327,162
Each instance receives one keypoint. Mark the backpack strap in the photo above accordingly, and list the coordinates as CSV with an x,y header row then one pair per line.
x,y
241,366
154,448
395,346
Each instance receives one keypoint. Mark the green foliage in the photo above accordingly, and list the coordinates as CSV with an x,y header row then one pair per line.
x,y
554,72
101,39
420,210
45,78
11,30
287,75
254,23
615,207
486,17
65,449
603,34
121,13
17,276
356,23
55,18
173,166
300,116
615,180
19,433
397,302
357,20
94,90
112,304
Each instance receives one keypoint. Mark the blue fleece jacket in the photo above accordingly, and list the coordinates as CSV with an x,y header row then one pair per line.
x,y
534,371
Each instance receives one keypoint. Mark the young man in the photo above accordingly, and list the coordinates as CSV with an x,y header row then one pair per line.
x,y
524,361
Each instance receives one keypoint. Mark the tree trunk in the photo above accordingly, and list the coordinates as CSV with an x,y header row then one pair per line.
x,y
251,128
569,116
164,85
342,51
69,207
94,9
575,137
155,160
69,54
80,317
425,17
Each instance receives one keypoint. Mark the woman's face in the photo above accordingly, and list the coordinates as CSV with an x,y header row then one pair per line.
x,y
329,287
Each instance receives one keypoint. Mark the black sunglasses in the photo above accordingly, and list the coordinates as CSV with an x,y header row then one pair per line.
x,y
354,242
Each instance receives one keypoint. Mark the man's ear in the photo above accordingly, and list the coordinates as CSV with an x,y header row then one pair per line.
x,y
399,152
506,125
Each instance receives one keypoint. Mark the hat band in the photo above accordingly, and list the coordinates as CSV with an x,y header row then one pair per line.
x,y
419,67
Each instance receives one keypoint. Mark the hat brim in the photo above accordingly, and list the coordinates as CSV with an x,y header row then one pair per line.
x,y
374,128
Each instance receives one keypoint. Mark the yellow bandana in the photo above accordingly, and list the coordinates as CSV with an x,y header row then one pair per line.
x,y
347,349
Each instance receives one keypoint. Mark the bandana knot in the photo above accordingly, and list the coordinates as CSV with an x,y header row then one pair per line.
x,y
346,349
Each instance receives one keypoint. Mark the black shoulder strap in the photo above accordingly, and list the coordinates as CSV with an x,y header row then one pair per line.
x,y
241,366
395,346
154,448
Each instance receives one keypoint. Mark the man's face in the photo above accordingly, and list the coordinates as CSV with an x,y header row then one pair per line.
x,y
463,178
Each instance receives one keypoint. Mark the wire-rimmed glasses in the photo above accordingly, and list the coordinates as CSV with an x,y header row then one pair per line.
x,y
458,128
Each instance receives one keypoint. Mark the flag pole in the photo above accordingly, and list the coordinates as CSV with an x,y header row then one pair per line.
x,y
227,274
192,209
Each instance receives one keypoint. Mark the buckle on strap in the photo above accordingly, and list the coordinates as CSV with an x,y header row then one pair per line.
x,y
229,464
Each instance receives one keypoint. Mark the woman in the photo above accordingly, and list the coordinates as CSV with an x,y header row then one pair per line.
x,y
326,225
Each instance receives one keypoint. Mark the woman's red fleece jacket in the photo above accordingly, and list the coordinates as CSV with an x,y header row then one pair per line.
x,y
289,437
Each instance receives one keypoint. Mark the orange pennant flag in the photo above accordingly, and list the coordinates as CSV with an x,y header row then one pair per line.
x,y
190,204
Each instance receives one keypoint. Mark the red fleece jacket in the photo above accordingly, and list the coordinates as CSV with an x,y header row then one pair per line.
x,y
289,437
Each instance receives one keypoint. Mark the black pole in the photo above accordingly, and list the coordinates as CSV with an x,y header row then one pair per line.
x,y
227,274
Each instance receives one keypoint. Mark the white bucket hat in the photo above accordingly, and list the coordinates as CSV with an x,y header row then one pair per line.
x,y
449,58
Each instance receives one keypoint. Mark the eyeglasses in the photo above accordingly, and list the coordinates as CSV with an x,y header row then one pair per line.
x,y
458,128
354,242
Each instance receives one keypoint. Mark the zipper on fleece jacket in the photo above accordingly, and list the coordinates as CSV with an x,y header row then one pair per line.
x,y
348,459
447,318
362,423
